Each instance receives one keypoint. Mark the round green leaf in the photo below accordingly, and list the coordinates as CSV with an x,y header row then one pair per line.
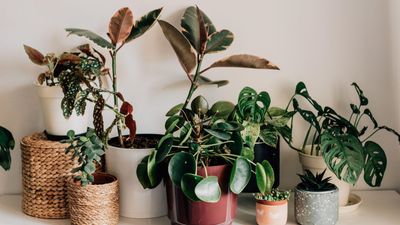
x,y
188,185
240,175
222,109
141,173
173,123
218,134
174,110
153,175
164,147
264,177
199,105
208,190
180,164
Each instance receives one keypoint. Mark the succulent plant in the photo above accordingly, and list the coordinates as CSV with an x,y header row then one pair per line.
x,y
273,196
315,183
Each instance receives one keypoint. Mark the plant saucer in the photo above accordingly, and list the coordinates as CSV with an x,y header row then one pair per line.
x,y
353,204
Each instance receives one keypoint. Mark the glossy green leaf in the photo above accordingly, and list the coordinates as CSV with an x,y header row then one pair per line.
x,y
181,163
92,36
142,175
219,41
188,184
363,99
208,190
222,109
218,134
186,131
199,105
173,123
174,110
144,24
7,143
240,175
248,153
164,146
236,146
253,106
269,136
301,89
264,177
181,46
152,172
375,164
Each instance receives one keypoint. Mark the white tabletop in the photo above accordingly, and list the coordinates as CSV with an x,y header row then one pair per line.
x,y
377,208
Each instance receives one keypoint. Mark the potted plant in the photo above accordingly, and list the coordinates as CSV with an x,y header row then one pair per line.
x,y
92,197
343,145
124,152
272,207
7,143
55,92
200,155
316,200
262,127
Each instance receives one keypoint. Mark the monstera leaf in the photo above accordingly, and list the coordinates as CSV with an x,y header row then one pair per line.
x,y
7,144
144,24
253,106
375,164
91,36
343,154
301,89
363,99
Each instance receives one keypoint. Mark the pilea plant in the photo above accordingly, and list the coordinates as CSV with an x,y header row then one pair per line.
x,y
87,150
122,29
198,136
7,143
317,182
344,143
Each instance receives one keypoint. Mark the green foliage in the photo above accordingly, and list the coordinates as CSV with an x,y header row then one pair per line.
x,y
315,183
7,143
87,150
273,196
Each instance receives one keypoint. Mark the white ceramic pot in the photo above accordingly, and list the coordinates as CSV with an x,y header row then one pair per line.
x,y
135,201
54,120
316,164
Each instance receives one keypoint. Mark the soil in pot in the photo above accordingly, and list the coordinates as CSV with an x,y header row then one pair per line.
x,y
271,212
141,141
182,211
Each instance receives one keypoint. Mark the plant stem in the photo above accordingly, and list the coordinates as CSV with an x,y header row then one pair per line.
x,y
114,81
306,137
372,134
193,85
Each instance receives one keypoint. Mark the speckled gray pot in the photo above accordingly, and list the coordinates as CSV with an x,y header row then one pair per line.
x,y
316,208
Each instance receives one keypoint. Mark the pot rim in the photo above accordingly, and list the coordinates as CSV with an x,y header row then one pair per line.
x,y
317,192
272,203
310,156
108,175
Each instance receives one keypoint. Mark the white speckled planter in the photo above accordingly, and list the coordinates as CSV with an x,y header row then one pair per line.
x,y
316,208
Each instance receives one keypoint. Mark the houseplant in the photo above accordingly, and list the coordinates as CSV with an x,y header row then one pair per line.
x,y
53,86
93,197
200,155
7,143
316,200
343,145
262,127
272,207
121,158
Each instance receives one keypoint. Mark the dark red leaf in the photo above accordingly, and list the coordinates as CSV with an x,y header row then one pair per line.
x,y
126,108
131,124
120,96
34,55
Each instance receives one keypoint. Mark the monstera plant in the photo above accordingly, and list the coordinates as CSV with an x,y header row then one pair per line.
x,y
7,144
202,148
345,144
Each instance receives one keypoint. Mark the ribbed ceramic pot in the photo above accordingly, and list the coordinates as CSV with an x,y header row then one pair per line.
x,y
316,208
271,212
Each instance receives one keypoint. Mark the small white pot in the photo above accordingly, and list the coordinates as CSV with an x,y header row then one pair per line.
x,y
54,120
135,201
316,164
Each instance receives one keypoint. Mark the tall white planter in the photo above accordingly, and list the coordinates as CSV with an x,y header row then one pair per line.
x,y
316,164
54,121
135,201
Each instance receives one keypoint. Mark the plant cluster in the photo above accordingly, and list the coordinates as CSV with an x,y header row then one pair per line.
x,y
87,150
274,196
7,143
345,144
198,136
315,183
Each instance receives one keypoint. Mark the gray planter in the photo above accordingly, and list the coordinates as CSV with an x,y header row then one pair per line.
x,y
316,208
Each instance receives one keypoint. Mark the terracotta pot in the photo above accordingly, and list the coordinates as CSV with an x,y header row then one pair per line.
x,y
271,212
184,211
135,201
264,152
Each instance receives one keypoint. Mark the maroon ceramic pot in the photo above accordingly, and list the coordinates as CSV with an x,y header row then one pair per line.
x,y
182,211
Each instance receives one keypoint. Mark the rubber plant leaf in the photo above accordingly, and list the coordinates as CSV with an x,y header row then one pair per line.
x,y
144,24
219,41
91,36
34,55
120,25
375,164
244,61
181,46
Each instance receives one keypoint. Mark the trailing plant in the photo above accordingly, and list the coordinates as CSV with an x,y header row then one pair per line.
x,y
87,150
315,183
122,29
198,136
345,144
273,196
7,143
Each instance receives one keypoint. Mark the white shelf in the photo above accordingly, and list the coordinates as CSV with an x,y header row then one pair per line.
x,y
378,207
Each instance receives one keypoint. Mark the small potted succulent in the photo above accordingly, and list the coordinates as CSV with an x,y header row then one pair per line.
x,y
124,152
262,127
200,156
343,145
7,143
272,207
55,91
316,200
92,197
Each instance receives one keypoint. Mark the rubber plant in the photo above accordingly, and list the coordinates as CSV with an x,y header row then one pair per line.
x,y
122,29
198,136
345,144
7,143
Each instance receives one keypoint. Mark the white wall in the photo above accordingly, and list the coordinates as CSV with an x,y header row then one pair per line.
x,y
327,44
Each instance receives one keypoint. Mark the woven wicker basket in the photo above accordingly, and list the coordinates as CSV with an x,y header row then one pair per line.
x,y
97,203
45,171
